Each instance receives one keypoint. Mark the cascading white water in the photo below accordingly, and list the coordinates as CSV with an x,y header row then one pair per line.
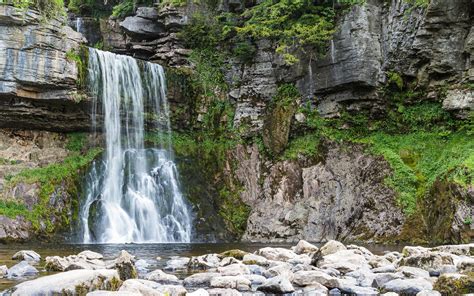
x,y
132,193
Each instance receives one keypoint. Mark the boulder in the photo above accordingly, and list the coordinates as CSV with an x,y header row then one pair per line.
x,y
332,247
415,251
408,286
163,278
427,260
198,292
150,288
303,247
306,278
344,261
276,285
255,279
466,264
125,266
200,279
80,261
232,282
112,293
223,292
177,263
91,255
364,276
282,269
252,259
69,283
382,278
3,270
315,289
454,284
27,255
142,266
428,293
234,269
383,269
235,253
228,261
204,262
21,269
413,272
276,254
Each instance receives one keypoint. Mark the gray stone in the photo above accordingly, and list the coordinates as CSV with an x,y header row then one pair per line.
x,y
277,285
332,247
383,269
151,288
198,292
303,247
91,255
223,292
232,282
200,279
27,255
382,278
22,269
3,271
68,282
408,286
252,259
428,293
306,278
125,266
205,262
163,278
276,254
234,269
141,27
413,272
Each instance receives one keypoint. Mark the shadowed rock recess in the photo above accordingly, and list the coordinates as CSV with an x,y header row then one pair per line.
x,y
367,137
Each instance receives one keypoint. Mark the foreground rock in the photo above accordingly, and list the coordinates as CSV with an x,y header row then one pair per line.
x,y
83,260
27,255
70,283
22,269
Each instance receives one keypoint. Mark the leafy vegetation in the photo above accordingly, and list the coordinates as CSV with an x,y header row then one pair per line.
x,y
127,7
48,8
48,179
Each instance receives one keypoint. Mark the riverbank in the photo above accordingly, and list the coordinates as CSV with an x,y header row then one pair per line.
x,y
304,269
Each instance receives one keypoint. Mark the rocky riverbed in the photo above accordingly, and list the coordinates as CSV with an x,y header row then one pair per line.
x,y
304,269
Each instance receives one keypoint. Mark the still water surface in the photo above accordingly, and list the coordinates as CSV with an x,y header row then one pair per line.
x,y
156,255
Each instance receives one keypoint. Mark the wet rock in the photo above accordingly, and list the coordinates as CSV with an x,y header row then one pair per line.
x,y
233,282
428,293
236,253
69,283
91,255
306,278
163,278
151,288
381,278
83,260
22,269
125,266
200,279
223,292
283,270
454,284
177,263
198,292
234,269
204,262
408,286
3,270
277,254
413,272
252,259
27,255
277,285
383,269
255,279
344,261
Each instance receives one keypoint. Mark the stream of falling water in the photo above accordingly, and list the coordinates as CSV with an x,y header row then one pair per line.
x,y
132,193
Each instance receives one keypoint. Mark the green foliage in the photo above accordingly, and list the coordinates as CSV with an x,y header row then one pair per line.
x,y
395,79
48,8
419,3
127,7
80,57
175,3
244,51
203,31
89,7
291,24
306,145
76,141
234,210
48,178
12,209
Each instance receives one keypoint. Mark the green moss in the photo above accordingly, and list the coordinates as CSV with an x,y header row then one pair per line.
x,y
235,253
49,178
393,78
79,56
48,8
450,285
13,209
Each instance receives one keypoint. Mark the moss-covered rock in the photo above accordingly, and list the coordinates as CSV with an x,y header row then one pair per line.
x,y
455,284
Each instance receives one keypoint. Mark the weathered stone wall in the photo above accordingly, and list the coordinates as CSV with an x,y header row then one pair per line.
x,y
38,84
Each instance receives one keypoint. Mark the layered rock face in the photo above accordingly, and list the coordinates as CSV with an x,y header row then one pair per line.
x,y
341,196
38,82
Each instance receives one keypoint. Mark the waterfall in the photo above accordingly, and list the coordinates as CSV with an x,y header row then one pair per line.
x,y
79,24
132,193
